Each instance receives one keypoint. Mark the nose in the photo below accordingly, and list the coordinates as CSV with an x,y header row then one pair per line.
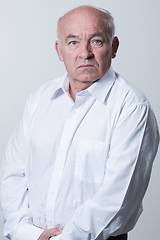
x,y
85,51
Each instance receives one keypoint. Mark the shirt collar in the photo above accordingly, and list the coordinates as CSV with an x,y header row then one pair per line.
x,y
61,86
99,89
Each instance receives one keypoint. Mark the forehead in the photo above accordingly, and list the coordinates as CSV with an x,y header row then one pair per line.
x,y
81,22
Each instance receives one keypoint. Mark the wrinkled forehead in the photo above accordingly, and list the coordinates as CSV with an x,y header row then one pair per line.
x,y
81,20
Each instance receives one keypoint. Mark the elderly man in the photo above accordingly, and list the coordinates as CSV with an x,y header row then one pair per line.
x,y
79,162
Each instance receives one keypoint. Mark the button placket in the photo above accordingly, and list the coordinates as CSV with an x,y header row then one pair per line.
x,y
64,146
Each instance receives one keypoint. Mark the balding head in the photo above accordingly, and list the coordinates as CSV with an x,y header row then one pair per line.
x,y
102,15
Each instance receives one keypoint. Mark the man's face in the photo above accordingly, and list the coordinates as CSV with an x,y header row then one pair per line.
x,y
83,46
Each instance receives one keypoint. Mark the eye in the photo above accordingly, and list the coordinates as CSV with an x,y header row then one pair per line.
x,y
73,43
97,41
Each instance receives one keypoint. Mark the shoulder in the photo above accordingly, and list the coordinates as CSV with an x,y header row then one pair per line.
x,y
43,93
127,93
48,88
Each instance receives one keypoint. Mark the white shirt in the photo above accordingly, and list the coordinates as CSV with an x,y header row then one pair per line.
x,y
82,166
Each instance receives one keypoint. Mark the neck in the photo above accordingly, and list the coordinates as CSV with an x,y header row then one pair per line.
x,y
75,87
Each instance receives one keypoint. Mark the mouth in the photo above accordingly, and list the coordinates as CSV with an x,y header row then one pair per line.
x,y
86,66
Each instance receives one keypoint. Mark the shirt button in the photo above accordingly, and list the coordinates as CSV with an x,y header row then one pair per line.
x,y
73,113
65,138
59,168
50,220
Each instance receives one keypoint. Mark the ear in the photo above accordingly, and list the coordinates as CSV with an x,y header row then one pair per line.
x,y
115,44
58,50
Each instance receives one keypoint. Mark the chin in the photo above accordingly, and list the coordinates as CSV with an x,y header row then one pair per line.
x,y
89,77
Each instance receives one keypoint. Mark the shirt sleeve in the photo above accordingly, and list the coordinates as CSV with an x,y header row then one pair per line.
x,y
133,148
58,237
14,202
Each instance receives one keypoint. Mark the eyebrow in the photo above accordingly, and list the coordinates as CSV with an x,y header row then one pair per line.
x,y
71,36
96,34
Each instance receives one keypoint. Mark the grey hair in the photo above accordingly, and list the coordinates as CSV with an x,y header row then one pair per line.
x,y
106,15
109,23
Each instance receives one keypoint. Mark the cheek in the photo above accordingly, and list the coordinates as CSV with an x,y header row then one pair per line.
x,y
102,61
69,62
105,58
68,57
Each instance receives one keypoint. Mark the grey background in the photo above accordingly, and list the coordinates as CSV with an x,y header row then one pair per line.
x,y
28,58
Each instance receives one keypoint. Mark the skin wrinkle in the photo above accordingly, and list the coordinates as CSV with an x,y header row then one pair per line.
x,y
84,46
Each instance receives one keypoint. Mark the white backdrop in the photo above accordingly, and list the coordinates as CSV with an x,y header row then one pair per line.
x,y
28,58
